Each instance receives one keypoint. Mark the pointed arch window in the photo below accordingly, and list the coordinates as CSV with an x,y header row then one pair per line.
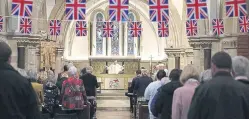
x,y
99,38
130,40
115,40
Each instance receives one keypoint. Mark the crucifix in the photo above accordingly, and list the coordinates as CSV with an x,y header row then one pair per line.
x,y
151,57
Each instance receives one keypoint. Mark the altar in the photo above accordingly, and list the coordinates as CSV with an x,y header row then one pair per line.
x,y
114,73
114,81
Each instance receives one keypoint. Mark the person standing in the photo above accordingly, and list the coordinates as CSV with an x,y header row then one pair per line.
x,y
151,90
241,69
17,97
73,93
60,75
32,77
141,84
51,94
161,105
222,97
90,83
182,96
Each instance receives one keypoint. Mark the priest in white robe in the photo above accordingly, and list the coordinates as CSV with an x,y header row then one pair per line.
x,y
115,68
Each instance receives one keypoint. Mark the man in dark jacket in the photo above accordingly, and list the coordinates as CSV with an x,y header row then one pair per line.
x,y
90,82
142,83
163,99
17,97
222,97
131,88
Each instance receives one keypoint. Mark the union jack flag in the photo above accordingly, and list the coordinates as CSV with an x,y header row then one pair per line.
x,y
197,9
244,24
159,10
191,26
55,27
26,25
22,8
1,23
163,29
118,10
218,26
235,8
81,28
135,29
75,9
108,30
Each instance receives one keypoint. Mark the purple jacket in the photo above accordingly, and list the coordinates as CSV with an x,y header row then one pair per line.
x,y
182,99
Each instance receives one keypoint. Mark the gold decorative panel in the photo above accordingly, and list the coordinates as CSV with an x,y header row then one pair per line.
x,y
98,67
131,67
48,54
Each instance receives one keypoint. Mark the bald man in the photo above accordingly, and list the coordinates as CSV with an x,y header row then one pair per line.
x,y
17,97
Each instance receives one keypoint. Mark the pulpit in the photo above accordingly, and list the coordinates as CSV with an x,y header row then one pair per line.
x,y
110,81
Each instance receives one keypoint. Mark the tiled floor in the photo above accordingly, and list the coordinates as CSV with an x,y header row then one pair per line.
x,y
113,115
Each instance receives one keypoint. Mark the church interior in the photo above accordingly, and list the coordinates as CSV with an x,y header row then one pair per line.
x,y
116,41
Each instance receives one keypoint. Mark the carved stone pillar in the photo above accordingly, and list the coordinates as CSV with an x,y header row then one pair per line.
x,y
203,48
177,62
197,54
171,61
59,57
21,56
229,45
207,58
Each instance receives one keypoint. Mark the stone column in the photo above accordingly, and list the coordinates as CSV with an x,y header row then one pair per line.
x,y
207,58
229,45
197,54
59,54
21,56
177,62
171,61
203,49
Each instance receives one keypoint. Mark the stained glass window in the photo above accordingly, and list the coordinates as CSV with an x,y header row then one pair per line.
x,y
99,37
115,40
130,40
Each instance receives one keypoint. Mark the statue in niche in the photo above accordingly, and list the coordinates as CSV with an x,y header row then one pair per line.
x,y
115,68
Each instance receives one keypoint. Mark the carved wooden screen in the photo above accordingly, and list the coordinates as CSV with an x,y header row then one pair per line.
x,y
48,55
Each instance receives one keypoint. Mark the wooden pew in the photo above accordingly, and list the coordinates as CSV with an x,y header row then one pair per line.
x,y
143,112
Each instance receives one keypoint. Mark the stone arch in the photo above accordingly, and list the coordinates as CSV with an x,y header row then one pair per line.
x,y
58,13
95,12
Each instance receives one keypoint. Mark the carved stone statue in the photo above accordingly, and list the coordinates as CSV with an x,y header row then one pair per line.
x,y
115,68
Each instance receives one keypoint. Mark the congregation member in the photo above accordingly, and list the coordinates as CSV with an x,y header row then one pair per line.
x,y
65,69
17,97
205,76
90,81
182,96
131,88
141,84
151,90
91,84
222,97
138,74
32,77
51,94
73,93
241,69
161,105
